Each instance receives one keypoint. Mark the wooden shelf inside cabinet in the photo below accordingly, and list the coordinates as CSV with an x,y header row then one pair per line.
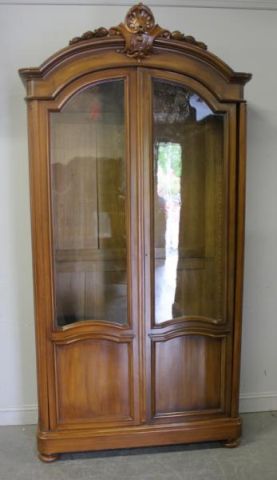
x,y
137,170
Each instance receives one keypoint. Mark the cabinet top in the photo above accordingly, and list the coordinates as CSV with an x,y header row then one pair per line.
x,y
136,42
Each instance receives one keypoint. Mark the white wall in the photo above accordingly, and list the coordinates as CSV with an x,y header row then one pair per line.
x,y
247,40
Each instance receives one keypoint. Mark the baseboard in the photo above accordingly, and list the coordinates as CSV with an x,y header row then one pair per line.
x,y
26,415
258,402
249,402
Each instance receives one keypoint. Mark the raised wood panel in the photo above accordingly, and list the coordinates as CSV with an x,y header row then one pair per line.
x,y
187,374
94,382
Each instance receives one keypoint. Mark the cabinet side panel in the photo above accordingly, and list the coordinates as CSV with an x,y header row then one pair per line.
x,y
240,223
38,167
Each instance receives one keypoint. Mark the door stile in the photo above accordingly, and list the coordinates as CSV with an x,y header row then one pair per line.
x,y
147,209
230,154
134,252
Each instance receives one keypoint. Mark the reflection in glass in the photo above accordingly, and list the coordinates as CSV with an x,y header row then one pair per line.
x,y
188,204
88,204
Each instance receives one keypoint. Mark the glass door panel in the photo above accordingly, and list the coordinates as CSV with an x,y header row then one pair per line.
x,y
189,205
88,184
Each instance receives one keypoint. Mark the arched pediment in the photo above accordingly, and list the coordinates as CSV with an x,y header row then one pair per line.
x,y
138,41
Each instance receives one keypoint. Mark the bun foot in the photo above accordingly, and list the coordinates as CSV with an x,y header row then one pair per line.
x,y
48,458
231,443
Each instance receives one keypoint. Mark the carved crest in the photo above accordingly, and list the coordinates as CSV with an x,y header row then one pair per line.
x,y
140,19
139,31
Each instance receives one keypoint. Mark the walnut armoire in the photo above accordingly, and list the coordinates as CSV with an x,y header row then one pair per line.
x,y
137,173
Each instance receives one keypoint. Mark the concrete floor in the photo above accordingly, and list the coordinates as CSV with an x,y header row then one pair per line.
x,y
255,459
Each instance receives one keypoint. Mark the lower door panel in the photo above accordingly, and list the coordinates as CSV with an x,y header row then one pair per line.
x,y
188,376
95,383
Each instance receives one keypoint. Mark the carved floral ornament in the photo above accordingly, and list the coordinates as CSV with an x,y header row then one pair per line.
x,y
139,31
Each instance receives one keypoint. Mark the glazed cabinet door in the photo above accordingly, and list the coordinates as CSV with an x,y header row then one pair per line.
x,y
94,329
189,166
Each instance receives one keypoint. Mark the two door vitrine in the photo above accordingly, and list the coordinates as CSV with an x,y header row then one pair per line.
x,y
137,172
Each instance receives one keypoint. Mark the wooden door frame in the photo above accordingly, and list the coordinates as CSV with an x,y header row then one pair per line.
x,y
49,335
192,325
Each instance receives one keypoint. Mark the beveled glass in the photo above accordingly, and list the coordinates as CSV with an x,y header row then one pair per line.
x,y
189,205
88,186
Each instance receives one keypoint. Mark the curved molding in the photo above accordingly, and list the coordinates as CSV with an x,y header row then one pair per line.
x,y
189,318
164,336
116,44
62,95
90,330
77,62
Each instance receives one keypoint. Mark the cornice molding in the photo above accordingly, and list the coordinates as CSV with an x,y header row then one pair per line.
x,y
222,4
